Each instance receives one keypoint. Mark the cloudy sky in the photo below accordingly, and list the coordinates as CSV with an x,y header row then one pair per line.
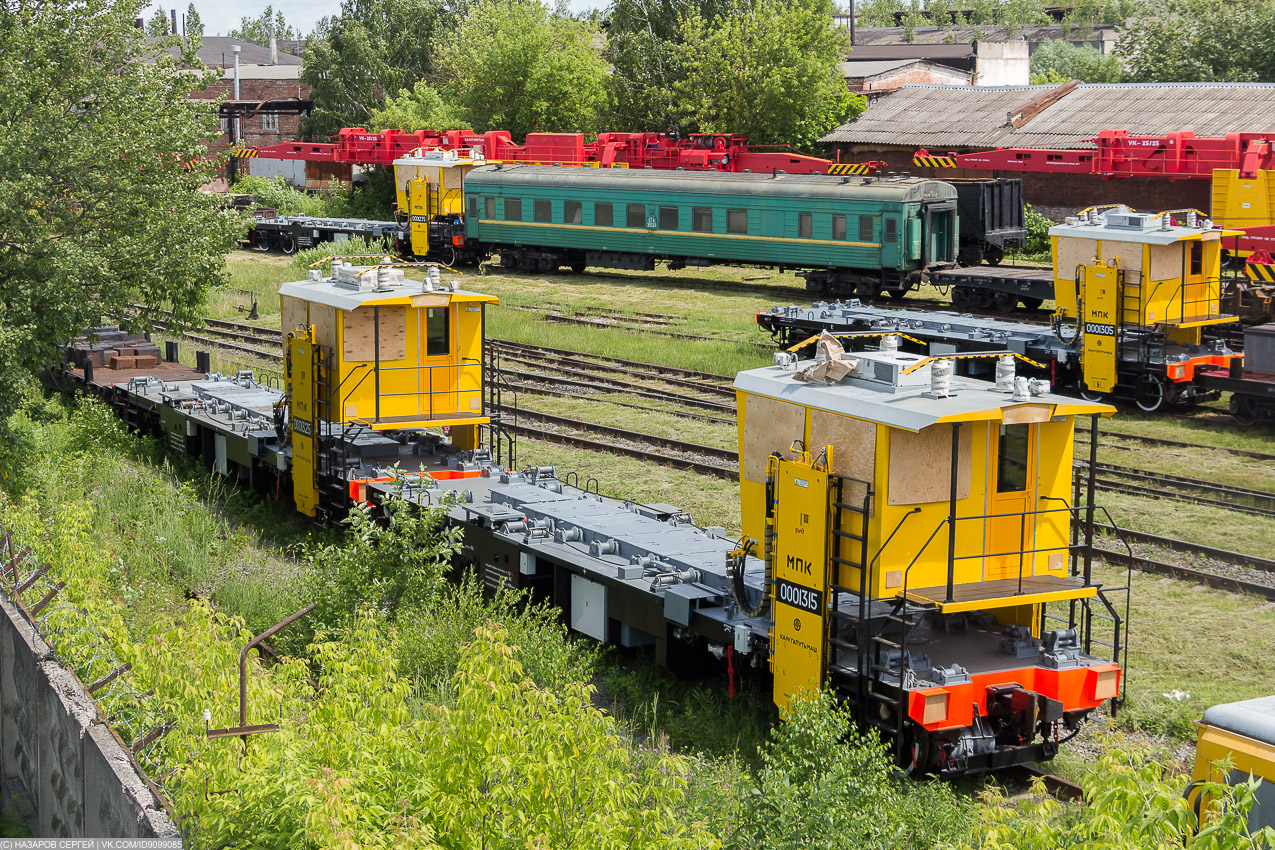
x,y
220,16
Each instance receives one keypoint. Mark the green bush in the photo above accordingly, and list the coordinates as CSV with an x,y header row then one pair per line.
x,y
276,192
1037,232
823,786
368,249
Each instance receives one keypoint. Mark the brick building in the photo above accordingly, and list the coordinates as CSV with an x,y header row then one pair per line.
x,y
963,119
880,77
266,79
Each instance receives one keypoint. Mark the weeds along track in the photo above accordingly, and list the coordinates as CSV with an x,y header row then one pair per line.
x,y
632,322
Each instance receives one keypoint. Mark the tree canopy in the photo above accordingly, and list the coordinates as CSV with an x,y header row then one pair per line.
x,y
95,215
194,24
511,65
373,50
1201,41
766,69
1057,61
257,30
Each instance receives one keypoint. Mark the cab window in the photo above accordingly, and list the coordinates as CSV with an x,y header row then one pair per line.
x,y
436,340
513,209
542,210
572,212
737,221
1011,461
603,215
635,216
805,226
838,227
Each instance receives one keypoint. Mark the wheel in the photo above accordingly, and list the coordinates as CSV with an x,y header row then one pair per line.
x,y
1243,410
1004,302
979,299
816,285
1149,395
970,255
287,244
993,255
577,268
447,255
867,290
1032,303
897,294
1090,395
961,298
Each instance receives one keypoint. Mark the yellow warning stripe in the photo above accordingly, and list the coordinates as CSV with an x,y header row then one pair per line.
x,y
934,161
244,153
850,168
1260,271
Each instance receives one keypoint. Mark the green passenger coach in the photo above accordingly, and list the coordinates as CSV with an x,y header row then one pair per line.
x,y
842,234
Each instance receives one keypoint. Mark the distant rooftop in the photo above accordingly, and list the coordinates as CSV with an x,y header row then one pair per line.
x,y
948,117
965,34
215,52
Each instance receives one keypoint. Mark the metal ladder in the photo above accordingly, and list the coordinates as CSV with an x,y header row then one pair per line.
x,y
847,629
502,428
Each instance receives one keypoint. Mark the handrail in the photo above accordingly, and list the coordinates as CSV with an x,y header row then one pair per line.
x,y
873,562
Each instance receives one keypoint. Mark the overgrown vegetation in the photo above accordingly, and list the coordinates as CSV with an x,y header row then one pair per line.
x,y
372,199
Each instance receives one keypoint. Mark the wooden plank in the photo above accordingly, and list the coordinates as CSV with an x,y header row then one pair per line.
x,y
921,464
854,448
1026,414
294,313
358,334
770,426
323,318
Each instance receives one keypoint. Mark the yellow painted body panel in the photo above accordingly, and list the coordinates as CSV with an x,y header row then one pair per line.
x,y
1246,756
427,189
1241,203
986,549
1099,308
801,563
303,416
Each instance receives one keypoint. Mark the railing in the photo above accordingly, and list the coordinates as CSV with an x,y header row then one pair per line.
x,y
426,407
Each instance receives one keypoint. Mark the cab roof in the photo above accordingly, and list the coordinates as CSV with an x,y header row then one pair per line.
x,y
1252,718
906,408
409,293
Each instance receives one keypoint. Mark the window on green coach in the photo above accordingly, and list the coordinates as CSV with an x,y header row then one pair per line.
x,y
865,228
635,216
603,215
436,343
838,227
702,219
542,211
891,230
805,226
473,207
737,221
490,204
669,218
572,212
513,209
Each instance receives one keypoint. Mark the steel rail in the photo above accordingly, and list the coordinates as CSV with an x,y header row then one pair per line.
x,y
583,368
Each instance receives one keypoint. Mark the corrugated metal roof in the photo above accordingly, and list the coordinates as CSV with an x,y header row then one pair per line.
x,y
940,117
965,34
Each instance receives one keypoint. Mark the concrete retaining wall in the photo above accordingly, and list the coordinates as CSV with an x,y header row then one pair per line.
x,y
62,770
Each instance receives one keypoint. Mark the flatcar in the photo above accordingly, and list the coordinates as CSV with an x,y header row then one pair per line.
x,y
869,234
1137,313
925,549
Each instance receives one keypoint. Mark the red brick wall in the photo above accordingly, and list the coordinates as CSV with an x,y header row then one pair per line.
x,y
919,75
1057,195
252,128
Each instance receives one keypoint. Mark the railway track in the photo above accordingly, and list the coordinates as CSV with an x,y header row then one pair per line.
x,y
1162,485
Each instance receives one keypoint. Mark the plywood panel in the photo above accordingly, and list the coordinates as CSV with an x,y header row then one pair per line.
x,y
854,448
1025,414
1129,254
1072,253
770,426
1166,264
294,313
359,334
921,465
324,320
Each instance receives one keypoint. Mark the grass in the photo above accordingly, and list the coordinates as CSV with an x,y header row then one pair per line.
x,y
606,409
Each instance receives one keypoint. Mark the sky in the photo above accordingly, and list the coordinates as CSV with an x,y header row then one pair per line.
x,y
221,16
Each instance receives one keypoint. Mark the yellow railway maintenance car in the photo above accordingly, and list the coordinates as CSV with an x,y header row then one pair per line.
x,y
1243,735
920,537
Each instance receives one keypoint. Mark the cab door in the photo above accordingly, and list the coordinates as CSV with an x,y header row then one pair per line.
x,y
1010,502
438,361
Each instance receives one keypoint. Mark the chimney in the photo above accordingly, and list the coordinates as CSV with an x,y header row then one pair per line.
x,y
274,46
174,11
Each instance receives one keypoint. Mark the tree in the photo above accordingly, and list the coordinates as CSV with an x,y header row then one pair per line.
x,y
94,215
422,108
643,46
257,30
194,26
373,50
1058,61
158,23
768,70
512,66
1200,41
